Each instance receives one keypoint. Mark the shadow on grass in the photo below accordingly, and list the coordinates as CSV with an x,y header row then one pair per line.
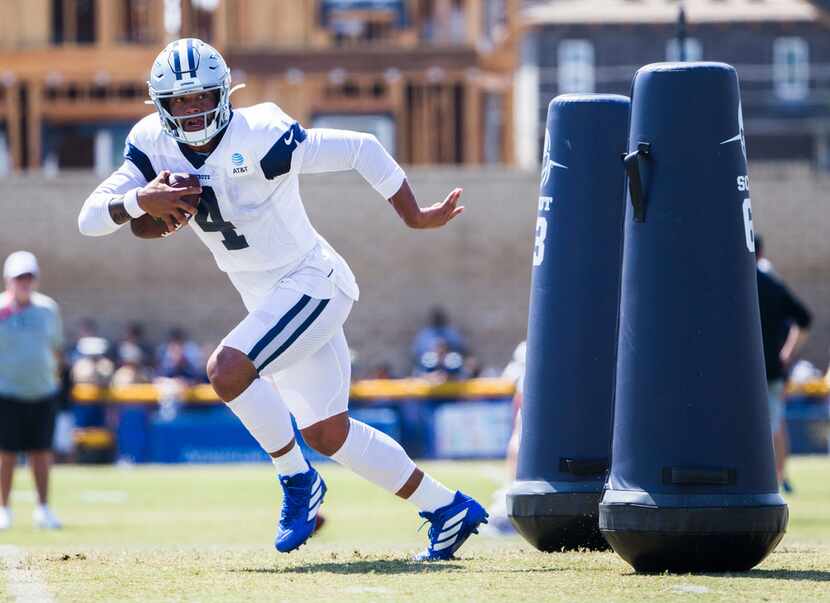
x,y
783,574
762,574
363,566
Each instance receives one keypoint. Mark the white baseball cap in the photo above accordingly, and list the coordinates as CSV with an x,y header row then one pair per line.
x,y
20,262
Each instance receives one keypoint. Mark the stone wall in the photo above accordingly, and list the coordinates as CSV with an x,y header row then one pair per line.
x,y
478,268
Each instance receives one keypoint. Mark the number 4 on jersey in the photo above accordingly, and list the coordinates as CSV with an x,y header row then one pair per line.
x,y
209,219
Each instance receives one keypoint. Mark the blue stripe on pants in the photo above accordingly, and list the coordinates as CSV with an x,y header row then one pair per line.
x,y
300,330
270,335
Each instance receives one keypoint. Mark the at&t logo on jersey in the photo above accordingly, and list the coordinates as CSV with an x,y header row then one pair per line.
x,y
239,165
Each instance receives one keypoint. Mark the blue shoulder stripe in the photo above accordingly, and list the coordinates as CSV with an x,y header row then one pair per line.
x,y
141,161
277,160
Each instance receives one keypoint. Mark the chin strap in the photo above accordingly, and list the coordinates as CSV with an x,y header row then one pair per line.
x,y
235,88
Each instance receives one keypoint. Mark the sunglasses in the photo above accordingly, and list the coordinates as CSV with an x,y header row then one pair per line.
x,y
28,276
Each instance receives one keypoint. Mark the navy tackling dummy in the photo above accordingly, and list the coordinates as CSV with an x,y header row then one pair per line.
x,y
289,355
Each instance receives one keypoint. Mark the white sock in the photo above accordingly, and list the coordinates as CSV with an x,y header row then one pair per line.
x,y
431,495
375,456
264,414
291,463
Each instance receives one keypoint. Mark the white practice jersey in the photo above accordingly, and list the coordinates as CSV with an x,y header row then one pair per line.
x,y
251,216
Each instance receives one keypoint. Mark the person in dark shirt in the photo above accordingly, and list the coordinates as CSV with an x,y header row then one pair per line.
x,y
785,322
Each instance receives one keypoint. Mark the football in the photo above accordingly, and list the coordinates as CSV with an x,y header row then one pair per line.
x,y
148,227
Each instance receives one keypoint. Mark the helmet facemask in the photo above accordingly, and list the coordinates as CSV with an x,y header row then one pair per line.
x,y
215,119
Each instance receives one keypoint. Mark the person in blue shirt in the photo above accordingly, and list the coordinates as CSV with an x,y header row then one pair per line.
x,y
437,333
31,337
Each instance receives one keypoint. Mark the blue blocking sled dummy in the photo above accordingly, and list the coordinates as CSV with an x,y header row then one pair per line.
x,y
571,345
692,483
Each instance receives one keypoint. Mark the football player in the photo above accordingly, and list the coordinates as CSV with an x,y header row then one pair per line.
x,y
289,355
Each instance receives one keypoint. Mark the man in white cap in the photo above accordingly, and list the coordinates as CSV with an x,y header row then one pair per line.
x,y
30,342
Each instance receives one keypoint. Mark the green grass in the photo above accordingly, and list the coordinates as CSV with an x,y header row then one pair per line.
x,y
204,534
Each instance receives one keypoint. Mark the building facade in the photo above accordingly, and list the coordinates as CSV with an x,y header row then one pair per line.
x,y
431,78
780,48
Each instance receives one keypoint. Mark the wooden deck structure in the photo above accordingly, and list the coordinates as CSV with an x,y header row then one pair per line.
x,y
436,67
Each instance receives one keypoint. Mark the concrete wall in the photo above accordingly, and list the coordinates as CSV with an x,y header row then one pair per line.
x,y
478,268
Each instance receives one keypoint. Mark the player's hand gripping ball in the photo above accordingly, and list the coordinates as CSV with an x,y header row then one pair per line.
x,y
148,227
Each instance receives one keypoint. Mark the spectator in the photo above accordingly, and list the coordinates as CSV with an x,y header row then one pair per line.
x,y
515,372
473,368
175,364
784,327
89,357
134,339
89,343
31,336
440,363
180,357
180,367
132,369
91,364
63,441
439,330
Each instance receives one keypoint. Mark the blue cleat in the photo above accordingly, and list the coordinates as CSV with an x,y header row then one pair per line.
x,y
451,526
302,496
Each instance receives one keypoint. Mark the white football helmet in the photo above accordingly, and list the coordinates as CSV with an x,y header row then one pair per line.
x,y
184,67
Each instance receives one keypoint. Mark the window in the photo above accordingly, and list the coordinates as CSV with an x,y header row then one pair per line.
x,y
360,21
692,46
5,156
493,130
576,66
138,21
57,34
201,18
494,15
85,16
73,21
791,68
73,147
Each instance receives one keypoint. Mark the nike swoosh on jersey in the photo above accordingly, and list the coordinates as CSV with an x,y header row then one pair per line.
x,y
290,138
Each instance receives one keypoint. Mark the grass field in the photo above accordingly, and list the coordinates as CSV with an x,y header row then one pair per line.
x,y
203,533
